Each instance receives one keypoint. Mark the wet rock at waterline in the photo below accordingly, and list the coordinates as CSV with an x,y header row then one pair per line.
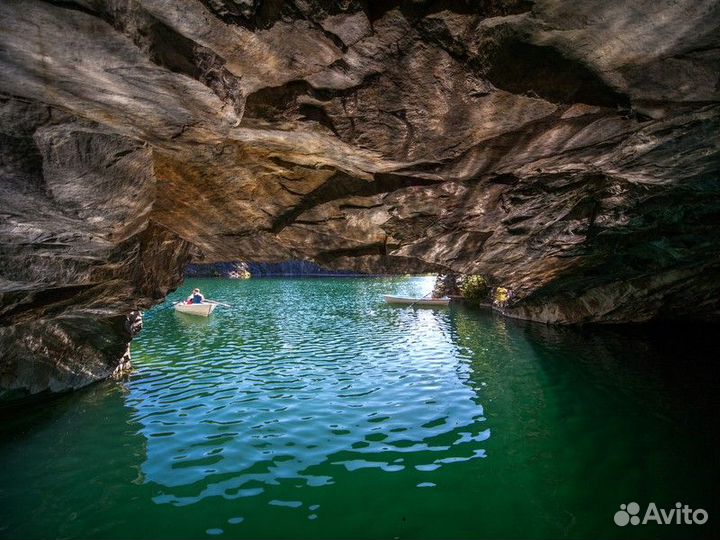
x,y
565,150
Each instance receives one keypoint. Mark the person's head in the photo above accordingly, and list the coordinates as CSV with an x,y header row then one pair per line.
x,y
196,291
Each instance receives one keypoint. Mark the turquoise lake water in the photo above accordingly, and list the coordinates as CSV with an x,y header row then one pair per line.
x,y
311,409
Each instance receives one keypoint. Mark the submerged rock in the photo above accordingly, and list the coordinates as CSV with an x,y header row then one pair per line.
x,y
565,150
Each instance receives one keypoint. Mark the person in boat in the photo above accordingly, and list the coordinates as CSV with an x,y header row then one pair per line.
x,y
501,297
196,297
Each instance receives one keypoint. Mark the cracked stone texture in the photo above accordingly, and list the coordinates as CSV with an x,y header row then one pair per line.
x,y
567,150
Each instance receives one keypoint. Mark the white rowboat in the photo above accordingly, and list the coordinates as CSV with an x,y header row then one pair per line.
x,y
201,310
444,301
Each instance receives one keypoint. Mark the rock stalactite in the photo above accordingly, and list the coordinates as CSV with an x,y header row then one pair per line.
x,y
565,149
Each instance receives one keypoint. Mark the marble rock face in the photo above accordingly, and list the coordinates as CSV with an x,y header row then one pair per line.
x,y
567,150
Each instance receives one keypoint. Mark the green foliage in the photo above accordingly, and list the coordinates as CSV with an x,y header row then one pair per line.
x,y
475,289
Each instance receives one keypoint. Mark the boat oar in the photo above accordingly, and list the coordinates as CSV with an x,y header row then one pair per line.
x,y
217,303
416,301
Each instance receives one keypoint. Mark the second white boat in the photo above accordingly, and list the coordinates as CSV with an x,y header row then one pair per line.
x,y
437,302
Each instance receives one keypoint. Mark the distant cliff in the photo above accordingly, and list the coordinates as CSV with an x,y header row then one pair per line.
x,y
240,270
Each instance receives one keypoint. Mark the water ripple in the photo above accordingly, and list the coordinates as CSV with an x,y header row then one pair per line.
x,y
285,388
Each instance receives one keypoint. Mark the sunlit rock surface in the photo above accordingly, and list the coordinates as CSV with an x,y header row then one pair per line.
x,y
568,150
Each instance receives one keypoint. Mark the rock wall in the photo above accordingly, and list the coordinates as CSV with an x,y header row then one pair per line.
x,y
565,149
79,250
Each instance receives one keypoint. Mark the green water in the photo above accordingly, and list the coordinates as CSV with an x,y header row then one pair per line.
x,y
311,409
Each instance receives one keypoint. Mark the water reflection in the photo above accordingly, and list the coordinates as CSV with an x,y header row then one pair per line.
x,y
66,462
